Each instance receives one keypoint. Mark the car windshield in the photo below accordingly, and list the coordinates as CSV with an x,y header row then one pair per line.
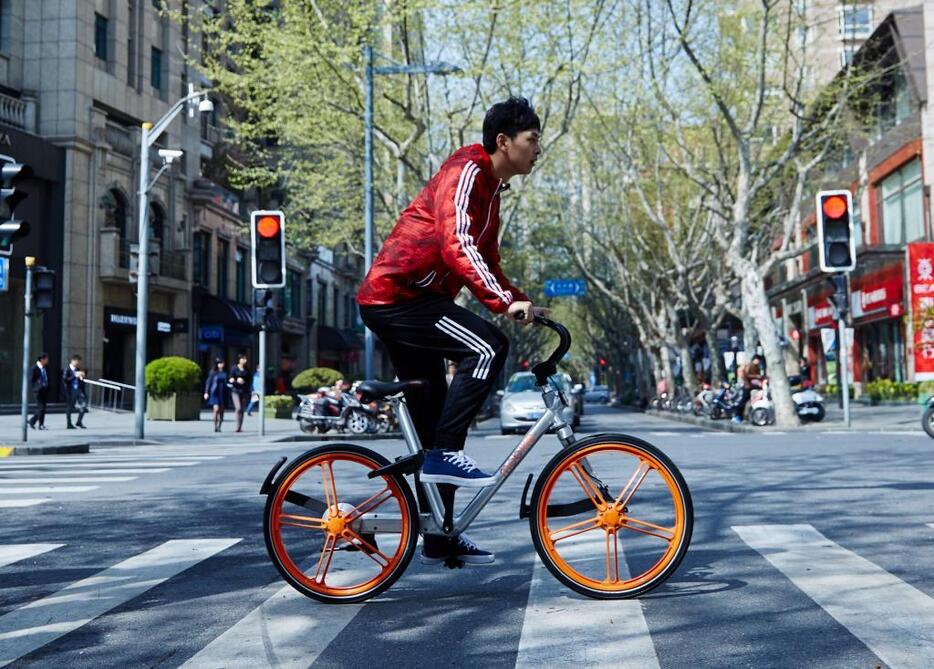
x,y
521,384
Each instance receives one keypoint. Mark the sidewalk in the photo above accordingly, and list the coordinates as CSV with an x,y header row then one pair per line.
x,y
863,418
104,427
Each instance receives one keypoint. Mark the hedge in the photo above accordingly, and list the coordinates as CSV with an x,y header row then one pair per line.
x,y
173,374
311,379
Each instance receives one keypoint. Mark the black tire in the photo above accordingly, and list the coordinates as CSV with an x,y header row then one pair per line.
x,y
926,421
411,510
506,430
651,452
759,416
821,412
715,412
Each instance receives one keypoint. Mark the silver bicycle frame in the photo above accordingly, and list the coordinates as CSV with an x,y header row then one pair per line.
x,y
433,522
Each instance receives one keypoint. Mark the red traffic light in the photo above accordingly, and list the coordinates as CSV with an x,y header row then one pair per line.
x,y
268,226
602,362
834,206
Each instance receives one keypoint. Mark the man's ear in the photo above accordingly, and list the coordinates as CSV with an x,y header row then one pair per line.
x,y
502,141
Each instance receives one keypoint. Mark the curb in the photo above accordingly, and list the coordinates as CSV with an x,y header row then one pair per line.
x,y
338,437
723,426
47,450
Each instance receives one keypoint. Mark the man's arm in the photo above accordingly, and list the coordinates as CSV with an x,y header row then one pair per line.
x,y
458,225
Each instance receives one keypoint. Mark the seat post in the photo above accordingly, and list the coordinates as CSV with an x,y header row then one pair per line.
x,y
408,427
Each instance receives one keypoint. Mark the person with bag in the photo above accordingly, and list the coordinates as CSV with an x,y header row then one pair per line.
x,y
238,381
40,390
215,392
73,379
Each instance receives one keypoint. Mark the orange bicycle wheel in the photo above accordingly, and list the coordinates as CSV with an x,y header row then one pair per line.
x,y
336,535
611,517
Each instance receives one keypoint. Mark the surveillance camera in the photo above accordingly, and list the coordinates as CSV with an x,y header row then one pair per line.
x,y
205,106
169,155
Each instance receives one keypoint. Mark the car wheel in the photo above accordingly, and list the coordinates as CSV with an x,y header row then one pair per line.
x,y
506,430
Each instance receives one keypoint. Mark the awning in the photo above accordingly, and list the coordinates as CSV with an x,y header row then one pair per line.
x,y
332,339
221,311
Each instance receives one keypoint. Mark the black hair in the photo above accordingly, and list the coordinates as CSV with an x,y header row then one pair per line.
x,y
76,357
217,362
42,355
510,118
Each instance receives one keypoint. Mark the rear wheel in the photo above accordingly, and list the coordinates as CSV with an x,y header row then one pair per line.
x,y
927,421
633,524
759,416
336,535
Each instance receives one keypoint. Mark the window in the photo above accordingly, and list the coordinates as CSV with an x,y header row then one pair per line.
x,y
854,22
335,305
322,302
903,103
155,74
293,294
201,259
157,223
100,36
902,205
349,312
846,55
240,259
223,257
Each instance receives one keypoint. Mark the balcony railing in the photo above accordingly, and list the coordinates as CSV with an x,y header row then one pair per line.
x,y
18,113
173,265
120,139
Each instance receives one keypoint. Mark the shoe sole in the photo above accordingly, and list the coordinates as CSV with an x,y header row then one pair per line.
x,y
457,480
467,559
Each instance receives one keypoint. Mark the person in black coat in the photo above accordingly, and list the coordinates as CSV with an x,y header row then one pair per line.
x,y
40,390
73,378
239,383
215,392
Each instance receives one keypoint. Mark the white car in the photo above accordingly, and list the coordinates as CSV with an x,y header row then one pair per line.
x,y
522,403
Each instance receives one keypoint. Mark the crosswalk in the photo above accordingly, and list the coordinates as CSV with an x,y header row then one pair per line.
x,y
556,627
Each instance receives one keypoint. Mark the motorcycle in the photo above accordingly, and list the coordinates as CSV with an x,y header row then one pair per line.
x,y
723,403
927,419
809,405
703,401
323,412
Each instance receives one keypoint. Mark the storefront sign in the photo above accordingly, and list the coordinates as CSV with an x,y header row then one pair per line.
x,y
921,277
877,296
211,333
4,274
820,314
125,320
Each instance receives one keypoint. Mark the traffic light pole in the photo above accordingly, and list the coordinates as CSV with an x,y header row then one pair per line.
x,y
142,287
844,372
262,382
368,193
27,333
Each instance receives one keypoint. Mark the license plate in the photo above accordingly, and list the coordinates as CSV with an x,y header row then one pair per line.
x,y
534,415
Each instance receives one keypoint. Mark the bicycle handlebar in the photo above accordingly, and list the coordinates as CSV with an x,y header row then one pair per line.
x,y
549,367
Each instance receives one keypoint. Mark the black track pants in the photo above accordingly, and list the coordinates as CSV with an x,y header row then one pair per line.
x,y
419,335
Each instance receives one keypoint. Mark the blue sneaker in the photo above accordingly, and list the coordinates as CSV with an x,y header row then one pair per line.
x,y
737,420
455,468
436,549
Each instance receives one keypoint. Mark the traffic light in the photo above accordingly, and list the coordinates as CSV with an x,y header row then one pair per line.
x,y
43,288
264,310
835,243
267,234
10,197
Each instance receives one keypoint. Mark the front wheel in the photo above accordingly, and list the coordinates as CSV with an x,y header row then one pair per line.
x,y
759,416
927,421
360,423
334,534
634,517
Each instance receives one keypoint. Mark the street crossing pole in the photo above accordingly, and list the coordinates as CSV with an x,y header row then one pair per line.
x,y
27,332
844,373
262,382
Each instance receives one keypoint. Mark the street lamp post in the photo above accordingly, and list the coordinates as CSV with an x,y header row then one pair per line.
x,y
150,133
370,71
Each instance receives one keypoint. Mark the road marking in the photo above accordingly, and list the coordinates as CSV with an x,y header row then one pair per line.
x,y
931,525
160,460
894,619
39,490
665,434
287,631
500,436
70,479
38,623
20,503
773,433
15,552
57,472
554,615
4,467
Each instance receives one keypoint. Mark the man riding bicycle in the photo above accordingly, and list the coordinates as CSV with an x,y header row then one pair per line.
x,y
448,238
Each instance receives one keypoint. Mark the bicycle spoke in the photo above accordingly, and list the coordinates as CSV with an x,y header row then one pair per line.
x,y
327,552
590,523
330,487
370,551
307,522
612,558
369,504
589,488
619,500
669,536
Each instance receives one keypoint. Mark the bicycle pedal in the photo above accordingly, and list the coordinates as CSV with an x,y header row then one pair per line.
x,y
452,562
408,464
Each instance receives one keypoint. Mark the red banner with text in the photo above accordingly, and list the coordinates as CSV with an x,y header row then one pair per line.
x,y
921,278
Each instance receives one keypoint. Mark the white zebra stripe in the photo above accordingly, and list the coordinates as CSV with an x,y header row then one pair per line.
x,y
462,225
477,340
466,342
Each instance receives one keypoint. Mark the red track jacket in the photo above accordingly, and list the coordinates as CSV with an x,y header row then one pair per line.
x,y
446,239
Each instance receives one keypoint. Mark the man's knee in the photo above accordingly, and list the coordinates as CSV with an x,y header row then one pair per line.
x,y
500,344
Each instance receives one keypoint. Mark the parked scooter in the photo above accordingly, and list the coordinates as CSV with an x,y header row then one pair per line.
x,y
723,403
927,419
808,403
323,411
703,401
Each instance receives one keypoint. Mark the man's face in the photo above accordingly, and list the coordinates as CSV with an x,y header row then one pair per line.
x,y
521,151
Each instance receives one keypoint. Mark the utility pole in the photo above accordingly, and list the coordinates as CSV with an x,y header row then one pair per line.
x,y
27,332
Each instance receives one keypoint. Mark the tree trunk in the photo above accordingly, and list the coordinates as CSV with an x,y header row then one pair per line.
x,y
756,306
687,367
717,373
667,372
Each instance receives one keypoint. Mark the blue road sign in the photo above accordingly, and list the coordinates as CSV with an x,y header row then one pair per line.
x,y
4,274
565,287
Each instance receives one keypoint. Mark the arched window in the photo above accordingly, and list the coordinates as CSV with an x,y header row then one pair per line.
x,y
114,204
157,222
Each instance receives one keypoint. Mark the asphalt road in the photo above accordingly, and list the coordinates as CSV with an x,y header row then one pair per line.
x,y
808,550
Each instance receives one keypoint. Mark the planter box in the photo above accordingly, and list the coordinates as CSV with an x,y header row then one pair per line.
x,y
177,406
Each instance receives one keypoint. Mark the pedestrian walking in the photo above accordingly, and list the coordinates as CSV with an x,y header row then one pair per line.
x,y
73,379
40,390
215,392
238,381
254,390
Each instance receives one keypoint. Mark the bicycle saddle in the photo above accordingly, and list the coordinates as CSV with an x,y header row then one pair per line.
x,y
372,391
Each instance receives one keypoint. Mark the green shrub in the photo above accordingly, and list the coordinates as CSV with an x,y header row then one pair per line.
x,y
279,406
925,390
173,374
316,377
886,390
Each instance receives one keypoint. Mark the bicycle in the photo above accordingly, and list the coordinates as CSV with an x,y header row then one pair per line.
x,y
349,503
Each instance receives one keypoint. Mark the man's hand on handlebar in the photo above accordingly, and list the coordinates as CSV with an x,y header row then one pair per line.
x,y
524,312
